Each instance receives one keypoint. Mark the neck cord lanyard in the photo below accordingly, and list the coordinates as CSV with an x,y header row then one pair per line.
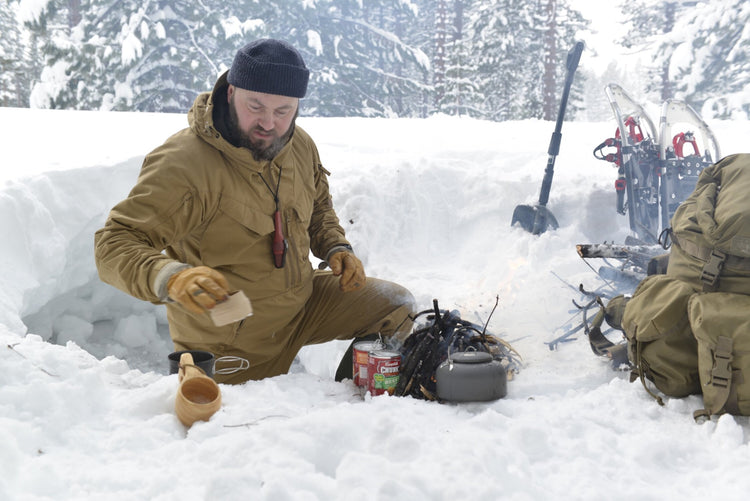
x,y
279,245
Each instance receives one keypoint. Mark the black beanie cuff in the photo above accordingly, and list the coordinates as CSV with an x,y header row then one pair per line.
x,y
271,67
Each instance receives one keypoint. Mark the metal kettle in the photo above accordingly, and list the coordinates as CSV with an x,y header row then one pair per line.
x,y
471,376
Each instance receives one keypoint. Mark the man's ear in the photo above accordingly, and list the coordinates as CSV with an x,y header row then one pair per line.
x,y
230,92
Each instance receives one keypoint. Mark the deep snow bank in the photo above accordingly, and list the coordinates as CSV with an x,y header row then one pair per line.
x,y
427,203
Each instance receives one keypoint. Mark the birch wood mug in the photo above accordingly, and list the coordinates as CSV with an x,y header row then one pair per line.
x,y
198,396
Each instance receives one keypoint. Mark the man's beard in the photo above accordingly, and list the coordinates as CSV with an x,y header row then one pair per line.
x,y
259,151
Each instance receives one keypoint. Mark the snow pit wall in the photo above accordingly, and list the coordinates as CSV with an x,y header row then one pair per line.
x,y
51,288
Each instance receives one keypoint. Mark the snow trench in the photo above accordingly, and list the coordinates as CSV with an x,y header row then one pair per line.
x,y
52,288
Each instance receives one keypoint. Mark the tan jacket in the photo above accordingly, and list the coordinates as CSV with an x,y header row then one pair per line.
x,y
201,201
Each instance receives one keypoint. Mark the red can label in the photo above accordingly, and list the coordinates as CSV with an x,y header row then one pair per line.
x,y
383,371
360,355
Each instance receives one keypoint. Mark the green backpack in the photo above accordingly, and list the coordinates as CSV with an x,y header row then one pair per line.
x,y
661,345
711,230
721,324
688,331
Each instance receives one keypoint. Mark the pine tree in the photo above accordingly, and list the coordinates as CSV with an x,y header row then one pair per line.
x,y
461,92
158,54
494,59
549,46
49,24
649,22
364,65
456,90
440,57
13,59
709,58
520,49
700,52
129,55
497,31
558,41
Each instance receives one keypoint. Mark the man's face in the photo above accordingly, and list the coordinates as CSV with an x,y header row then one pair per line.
x,y
263,122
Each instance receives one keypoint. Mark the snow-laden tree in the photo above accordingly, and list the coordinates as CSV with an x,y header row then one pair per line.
x,y
152,55
461,93
13,57
699,52
521,49
646,20
363,62
456,91
500,31
560,23
708,55
157,55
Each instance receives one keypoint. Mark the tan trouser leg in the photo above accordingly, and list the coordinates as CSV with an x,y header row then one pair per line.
x,y
379,306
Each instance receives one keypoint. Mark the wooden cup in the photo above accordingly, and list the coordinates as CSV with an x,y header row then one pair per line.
x,y
198,396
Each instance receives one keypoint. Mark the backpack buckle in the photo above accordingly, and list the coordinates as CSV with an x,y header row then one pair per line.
x,y
712,270
721,372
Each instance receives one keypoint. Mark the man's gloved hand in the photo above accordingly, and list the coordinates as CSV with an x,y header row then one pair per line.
x,y
349,267
198,289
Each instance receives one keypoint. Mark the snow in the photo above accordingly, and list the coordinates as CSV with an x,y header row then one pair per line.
x,y
314,42
31,10
53,79
132,48
426,203
607,27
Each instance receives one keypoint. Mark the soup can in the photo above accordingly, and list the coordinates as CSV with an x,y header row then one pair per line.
x,y
383,368
360,354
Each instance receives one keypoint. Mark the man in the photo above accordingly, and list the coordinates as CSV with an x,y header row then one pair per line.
x,y
237,201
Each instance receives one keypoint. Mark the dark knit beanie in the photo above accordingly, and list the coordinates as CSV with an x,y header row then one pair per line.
x,y
269,66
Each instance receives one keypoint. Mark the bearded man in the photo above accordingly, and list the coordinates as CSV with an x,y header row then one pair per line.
x,y
237,202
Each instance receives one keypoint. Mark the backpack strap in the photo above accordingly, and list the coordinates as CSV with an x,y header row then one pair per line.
x,y
641,368
712,269
715,260
598,342
612,313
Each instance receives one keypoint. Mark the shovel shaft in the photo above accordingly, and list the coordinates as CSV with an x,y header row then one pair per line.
x,y
538,218
574,56
549,171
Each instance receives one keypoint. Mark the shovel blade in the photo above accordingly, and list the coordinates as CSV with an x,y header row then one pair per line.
x,y
535,219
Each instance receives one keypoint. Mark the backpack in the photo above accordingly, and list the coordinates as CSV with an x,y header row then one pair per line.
x,y
441,333
721,324
661,345
688,331
711,230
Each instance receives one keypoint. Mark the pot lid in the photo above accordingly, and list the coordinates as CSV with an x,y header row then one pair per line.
x,y
471,357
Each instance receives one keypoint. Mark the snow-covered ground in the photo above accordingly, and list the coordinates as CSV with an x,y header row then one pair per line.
x,y
87,407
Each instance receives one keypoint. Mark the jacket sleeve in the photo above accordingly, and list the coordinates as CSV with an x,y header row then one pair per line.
x,y
161,209
325,230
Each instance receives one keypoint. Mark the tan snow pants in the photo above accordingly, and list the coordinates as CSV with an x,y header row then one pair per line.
x,y
379,306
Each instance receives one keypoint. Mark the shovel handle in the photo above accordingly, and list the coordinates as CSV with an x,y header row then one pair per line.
x,y
574,56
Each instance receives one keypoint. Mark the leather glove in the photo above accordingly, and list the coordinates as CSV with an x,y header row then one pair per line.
x,y
198,289
349,268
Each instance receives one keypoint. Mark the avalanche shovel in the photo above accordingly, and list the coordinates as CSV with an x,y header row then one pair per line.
x,y
536,219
